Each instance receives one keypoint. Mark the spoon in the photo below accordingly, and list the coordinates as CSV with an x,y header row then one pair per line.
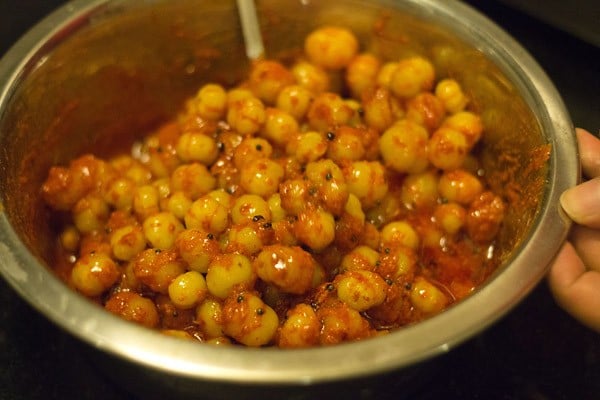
x,y
251,29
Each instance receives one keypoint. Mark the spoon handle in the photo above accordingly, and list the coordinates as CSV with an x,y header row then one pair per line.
x,y
250,29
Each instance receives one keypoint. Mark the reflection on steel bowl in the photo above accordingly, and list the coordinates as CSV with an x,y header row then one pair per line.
x,y
96,77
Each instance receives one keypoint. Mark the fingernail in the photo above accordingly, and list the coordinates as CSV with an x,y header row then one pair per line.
x,y
582,202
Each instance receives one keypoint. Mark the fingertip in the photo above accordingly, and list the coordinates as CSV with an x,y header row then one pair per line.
x,y
589,149
567,200
582,203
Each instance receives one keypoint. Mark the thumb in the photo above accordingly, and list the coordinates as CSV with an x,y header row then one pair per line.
x,y
582,203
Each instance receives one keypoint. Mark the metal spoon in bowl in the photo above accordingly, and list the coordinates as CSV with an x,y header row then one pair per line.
x,y
250,29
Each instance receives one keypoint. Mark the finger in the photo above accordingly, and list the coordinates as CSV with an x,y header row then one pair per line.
x,y
589,150
586,242
574,288
582,203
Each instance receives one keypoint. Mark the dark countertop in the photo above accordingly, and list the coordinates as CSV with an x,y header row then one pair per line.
x,y
537,352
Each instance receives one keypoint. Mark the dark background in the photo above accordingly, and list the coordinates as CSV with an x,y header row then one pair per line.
x,y
537,352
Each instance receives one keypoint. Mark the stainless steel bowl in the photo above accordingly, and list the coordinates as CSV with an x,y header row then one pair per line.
x,y
101,72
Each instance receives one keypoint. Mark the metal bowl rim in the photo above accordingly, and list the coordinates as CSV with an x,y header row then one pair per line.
x,y
38,286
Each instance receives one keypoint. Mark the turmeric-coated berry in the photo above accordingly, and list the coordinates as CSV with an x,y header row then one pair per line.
x,y
330,195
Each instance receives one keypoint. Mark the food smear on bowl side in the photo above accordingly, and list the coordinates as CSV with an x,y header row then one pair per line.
x,y
332,198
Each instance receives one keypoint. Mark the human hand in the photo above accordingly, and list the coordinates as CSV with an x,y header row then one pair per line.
x,y
574,276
